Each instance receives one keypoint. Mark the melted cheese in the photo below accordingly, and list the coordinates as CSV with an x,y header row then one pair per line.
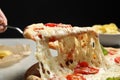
x,y
73,48
74,45
112,71
49,65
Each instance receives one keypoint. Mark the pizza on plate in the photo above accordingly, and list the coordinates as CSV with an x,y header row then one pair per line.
x,y
79,53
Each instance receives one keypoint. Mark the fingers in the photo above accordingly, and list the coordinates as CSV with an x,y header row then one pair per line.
x,y
3,19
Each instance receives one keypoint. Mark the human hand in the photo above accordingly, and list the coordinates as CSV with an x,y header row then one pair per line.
x,y
3,22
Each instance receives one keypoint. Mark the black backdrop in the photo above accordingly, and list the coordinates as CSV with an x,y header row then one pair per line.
x,y
21,13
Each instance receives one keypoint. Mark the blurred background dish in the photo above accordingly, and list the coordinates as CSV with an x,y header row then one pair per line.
x,y
17,71
110,28
109,34
110,39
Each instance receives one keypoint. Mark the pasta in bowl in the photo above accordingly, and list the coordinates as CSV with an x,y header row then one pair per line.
x,y
109,34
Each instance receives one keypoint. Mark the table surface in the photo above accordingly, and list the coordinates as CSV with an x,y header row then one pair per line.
x,y
17,71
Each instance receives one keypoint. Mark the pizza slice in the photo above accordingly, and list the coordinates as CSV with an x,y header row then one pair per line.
x,y
37,30
80,56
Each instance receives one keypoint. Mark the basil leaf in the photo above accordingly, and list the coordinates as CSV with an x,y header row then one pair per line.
x,y
105,52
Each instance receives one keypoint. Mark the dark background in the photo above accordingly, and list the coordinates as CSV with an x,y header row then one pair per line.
x,y
21,13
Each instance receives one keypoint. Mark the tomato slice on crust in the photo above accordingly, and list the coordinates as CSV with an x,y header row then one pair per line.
x,y
51,24
84,68
75,77
83,64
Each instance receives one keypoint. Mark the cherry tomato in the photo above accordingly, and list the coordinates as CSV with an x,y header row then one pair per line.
x,y
117,60
75,77
86,70
51,24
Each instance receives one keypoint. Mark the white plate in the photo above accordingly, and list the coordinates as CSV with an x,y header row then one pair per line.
x,y
17,71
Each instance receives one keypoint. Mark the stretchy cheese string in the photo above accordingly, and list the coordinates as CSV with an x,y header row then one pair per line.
x,y
71,50
90,53
49,65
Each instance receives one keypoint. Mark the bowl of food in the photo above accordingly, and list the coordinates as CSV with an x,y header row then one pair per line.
x,y
109,34
16,55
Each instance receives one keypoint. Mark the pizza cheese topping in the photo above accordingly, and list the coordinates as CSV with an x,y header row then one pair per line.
x,y
79,57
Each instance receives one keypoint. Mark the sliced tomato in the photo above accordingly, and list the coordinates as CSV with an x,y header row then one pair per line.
x,y
51,24
75,77
83,64
112,51
86,70
117,60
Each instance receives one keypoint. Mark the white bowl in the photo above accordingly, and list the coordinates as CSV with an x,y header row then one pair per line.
x,y
110,39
